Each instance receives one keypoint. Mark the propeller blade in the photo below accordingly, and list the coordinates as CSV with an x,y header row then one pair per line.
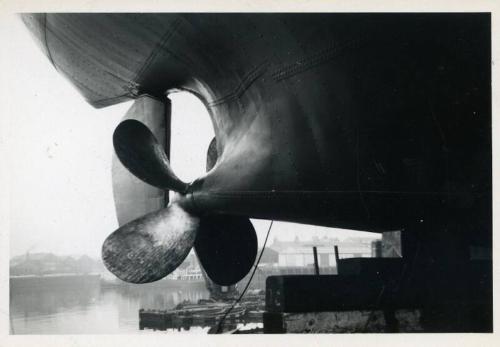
x,y
149,248
141,153
226,247
212,155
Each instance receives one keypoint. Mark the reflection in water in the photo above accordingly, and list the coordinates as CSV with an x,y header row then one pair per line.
x,y
92,308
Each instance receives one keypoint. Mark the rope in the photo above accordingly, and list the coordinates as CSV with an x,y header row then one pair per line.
x,y
219,326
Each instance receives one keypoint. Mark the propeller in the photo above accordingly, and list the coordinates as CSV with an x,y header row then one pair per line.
x,y
141,153
149,248
226,247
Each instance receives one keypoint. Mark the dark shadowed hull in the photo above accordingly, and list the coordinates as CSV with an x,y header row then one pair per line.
x,y
363,121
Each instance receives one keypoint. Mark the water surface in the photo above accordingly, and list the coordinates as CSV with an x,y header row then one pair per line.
x,y
94,308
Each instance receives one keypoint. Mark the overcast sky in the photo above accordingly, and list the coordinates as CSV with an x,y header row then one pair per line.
x,y
60,156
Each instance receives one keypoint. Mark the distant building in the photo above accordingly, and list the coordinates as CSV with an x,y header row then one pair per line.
x,y
269,257
189,270
191,261
300,253
303,256
48,263
188,274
